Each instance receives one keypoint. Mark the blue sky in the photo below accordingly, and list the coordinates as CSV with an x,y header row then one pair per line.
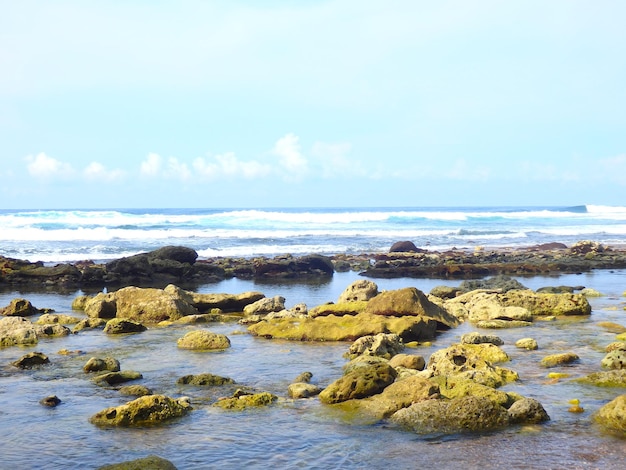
x,y
312,103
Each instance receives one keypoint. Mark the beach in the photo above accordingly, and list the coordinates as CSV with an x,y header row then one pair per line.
x,y
301,433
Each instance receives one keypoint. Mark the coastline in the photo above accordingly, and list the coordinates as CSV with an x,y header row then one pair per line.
x,y
181,265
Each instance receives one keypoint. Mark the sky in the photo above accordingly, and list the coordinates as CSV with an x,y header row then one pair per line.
x,y
329,103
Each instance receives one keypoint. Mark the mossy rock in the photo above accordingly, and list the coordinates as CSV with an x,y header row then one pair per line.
x,y
560,359
455,387
613,415
203,340
241,402
204,380
361,382
611,378
146,410
151,462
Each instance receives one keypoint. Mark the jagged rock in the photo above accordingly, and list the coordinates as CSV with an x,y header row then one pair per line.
x,y
303,390
527,411
55,318
224,302
115,378
243,401
289,267
118,326
204,379
384,345
21,308
96,364
30,360
146,410
615,359
17,331
50,401
456,386
500,283
265,306
88,324
359,383
477,338
361,290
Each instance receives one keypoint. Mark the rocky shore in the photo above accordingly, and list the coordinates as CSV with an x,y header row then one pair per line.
x,y
181,266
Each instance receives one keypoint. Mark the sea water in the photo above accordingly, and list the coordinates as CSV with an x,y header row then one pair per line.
x,y
295,433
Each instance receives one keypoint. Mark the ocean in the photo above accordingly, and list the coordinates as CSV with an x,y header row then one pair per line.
x,y
54,236
302,433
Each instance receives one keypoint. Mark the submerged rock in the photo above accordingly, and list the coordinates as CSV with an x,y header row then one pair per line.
x,y
96,364
560,359
361,382
613,415
30,360
114,378
241,401
146,410
204,379
50,401
152,462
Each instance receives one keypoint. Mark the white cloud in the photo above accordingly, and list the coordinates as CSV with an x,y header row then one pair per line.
x,y
45,167
538,171
98,172
287,149
177,170
151,166
228,165
614,168
334,162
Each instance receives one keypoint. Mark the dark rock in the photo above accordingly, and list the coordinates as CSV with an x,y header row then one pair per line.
x,y
21,308
152,462
118,326
501,283
288,267
405,247
114,378
30,360
50,401
204,380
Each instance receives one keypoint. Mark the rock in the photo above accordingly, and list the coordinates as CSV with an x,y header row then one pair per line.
x,y
96,364
359,383
612,327
303,390
147,305
288,267
615,359
500,283
152,462
383,345
354,307
445,292
88,324
560,359
361,290
500,324
346,327
477,338
613,415
20,308
265,306
463,414
30,360
224,302
456,386
408,361
400,394
203,340
243,401
409,302
404,247
204,379
304,377
589,292
146,410
115,378
585,247
474,362
527,343
611,378
55,318
527,411
17,331
50,401
118,326
135,390
51,331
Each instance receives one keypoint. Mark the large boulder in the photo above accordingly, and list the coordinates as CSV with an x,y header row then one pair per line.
x,y
400,394
346,327
613,415
144,305
265,306
146,410
17,331
405,246
224,302
463,414
409,301
361,382
21,308
474,362
241,400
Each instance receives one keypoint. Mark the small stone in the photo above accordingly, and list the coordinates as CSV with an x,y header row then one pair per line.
x,y
527,343
30,360
50,401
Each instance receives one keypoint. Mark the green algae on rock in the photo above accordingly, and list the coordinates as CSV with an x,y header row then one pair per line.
x,y
146,410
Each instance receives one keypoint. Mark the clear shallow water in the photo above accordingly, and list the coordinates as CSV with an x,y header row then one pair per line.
x,y
302,433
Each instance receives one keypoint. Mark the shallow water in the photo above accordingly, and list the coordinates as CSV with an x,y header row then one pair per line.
x,y
302,433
